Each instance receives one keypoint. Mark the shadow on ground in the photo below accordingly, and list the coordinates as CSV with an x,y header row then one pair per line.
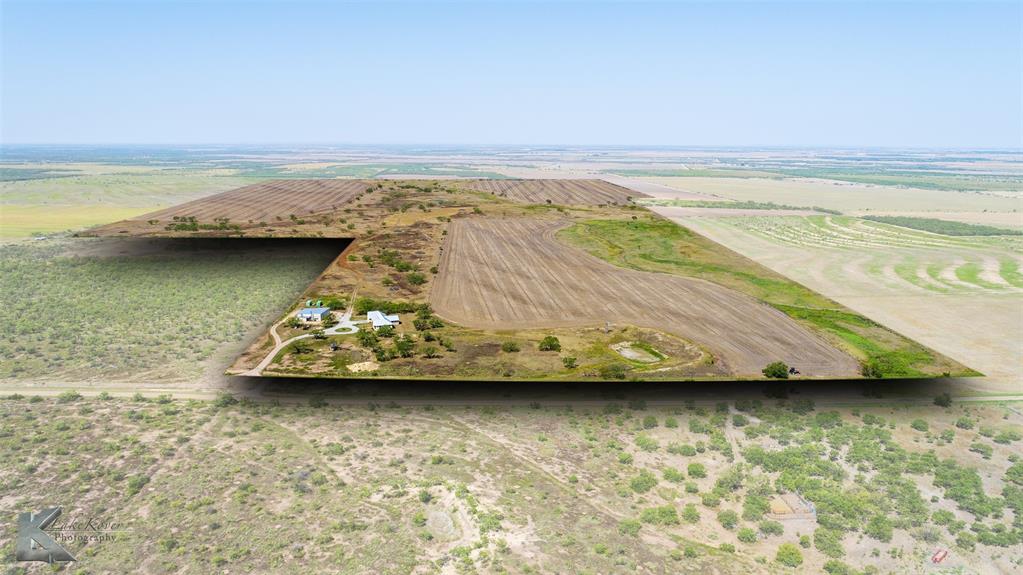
x,y
462,392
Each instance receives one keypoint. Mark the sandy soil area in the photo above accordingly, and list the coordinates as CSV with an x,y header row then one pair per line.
x,y
513,273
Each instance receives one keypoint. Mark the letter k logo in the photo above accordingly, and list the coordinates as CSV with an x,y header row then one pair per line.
x,y
33,543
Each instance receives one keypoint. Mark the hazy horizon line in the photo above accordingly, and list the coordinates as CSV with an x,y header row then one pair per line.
x,y
513,145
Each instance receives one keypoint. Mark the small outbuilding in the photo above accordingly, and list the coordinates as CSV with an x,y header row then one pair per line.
x,y
313,314
379,319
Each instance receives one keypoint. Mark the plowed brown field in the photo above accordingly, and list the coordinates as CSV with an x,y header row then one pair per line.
x,y
514,274
567,192
267,200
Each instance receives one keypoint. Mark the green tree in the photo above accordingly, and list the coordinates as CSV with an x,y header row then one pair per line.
x,y
776,370
771,528
789,555
828,542
549,343
696,470
643,482
404,346
569,362
613,371
663,515
747,535
510,347
728,519
964,423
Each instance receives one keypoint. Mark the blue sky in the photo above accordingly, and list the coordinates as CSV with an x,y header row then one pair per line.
x,y
804,74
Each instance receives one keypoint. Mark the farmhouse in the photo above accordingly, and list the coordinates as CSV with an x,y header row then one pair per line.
x,y
380,320
312,314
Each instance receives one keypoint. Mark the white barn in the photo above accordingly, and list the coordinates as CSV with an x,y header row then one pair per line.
x,y
380,320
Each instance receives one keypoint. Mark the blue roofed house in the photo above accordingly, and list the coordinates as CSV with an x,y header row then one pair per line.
x,y
313,314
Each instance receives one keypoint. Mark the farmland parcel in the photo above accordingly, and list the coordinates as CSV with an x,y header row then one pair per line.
x,y
532,279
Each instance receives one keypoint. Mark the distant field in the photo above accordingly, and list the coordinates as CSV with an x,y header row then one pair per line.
x,y
844,197
695,173
926,180
270,201
943,227
958,295
23,221
577,192
57,204
355,170
731,204
127,189
915,179
151,316
1001,220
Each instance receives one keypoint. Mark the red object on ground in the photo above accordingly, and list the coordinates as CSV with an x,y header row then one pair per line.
x,y
939,556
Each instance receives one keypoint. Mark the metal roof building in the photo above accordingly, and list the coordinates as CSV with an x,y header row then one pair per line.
x,y
313,313
380,320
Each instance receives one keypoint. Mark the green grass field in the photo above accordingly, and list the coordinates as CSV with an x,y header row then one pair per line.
x,y
658,245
